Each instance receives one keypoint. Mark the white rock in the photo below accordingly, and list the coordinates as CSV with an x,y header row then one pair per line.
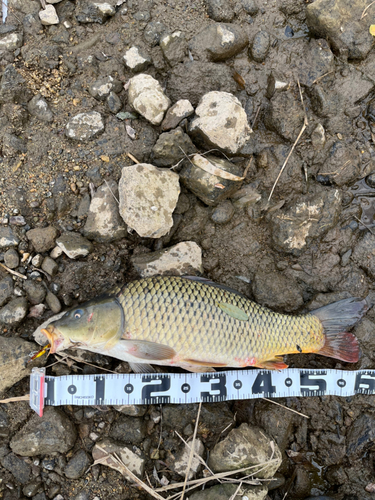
x,y
182,460
183,258
221,122
48,16
53,1
105,9
136,60
55,252
147,97
84,126
133,462
318,137
180,110
148,196
11,42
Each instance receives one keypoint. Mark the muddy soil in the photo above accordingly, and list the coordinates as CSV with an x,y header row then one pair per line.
x,y
294,256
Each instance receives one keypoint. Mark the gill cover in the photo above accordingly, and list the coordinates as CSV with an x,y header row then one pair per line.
x,y
94,323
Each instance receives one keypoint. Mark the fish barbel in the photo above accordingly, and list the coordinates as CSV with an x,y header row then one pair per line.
x,y
198,325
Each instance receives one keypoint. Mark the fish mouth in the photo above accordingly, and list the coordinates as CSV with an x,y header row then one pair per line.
x,y
54,338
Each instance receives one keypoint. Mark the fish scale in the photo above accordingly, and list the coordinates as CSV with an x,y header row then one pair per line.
x,y
185,315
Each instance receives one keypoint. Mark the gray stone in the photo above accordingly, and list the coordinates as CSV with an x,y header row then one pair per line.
x,y
17,220
225,491
209,188
174,47
42,239
74,245
185,258
102,87
316,60
52,433
11,258
181,460
94,12
148,196
147,97
365,334
49,266
364,254
360,435
32,488
7,238
136,59
13,145
6,289
113,102
341,22
310,217
14,312
134,462
48,16
13,353
153,32
285,115
221,122
220,10
276,422
104,223
250,7
213,417
53,302
39,108
342,165
203,77
11,42
85,126
218,42
266,289
13,87
223,213
176,113
244,447
17,467
77,465
318,137
128,429
260,46
171,147
36,292
131,410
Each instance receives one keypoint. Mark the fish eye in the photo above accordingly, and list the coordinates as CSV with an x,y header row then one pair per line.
x,y
77,314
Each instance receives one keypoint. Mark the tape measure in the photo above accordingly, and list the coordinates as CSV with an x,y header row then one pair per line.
x,y
182,388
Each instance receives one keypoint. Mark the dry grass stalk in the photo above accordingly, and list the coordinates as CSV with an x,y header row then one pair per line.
x,y
196,454
126,471
13,272
365,225
289,409
133,158
364,12
322,76
26,397
232,497
112,193
305,124
191,450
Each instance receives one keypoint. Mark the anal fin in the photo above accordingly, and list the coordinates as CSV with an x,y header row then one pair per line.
x,y
141,368
275,363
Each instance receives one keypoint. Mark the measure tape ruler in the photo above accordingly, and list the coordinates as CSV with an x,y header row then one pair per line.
x,y
180,388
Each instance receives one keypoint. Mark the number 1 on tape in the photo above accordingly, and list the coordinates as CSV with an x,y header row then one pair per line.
x,y
183,388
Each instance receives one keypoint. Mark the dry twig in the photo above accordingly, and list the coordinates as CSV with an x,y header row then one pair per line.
x,y
133,158
363,13
322,76
363,224
26,397
191,450
13,272
305,124
289,409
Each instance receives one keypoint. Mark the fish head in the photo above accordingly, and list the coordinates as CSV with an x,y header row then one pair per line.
x,y
99,322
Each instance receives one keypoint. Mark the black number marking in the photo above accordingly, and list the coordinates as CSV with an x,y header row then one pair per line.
x,y
263,384
185,388
341,382
218,385
99,390
237,384
129,388
288,382
311,386
365,383
72,389
50,396
163,385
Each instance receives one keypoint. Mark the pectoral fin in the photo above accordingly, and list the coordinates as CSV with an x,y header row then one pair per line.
x,y
276,363
148,350
233,311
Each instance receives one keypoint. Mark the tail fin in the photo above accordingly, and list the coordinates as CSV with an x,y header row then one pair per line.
x,y
336,318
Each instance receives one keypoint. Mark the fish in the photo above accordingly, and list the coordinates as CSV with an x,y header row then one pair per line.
x,y
198,325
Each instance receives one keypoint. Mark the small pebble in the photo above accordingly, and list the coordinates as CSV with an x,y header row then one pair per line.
x,y
53,302
49,266
56,252
11,258
37,260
